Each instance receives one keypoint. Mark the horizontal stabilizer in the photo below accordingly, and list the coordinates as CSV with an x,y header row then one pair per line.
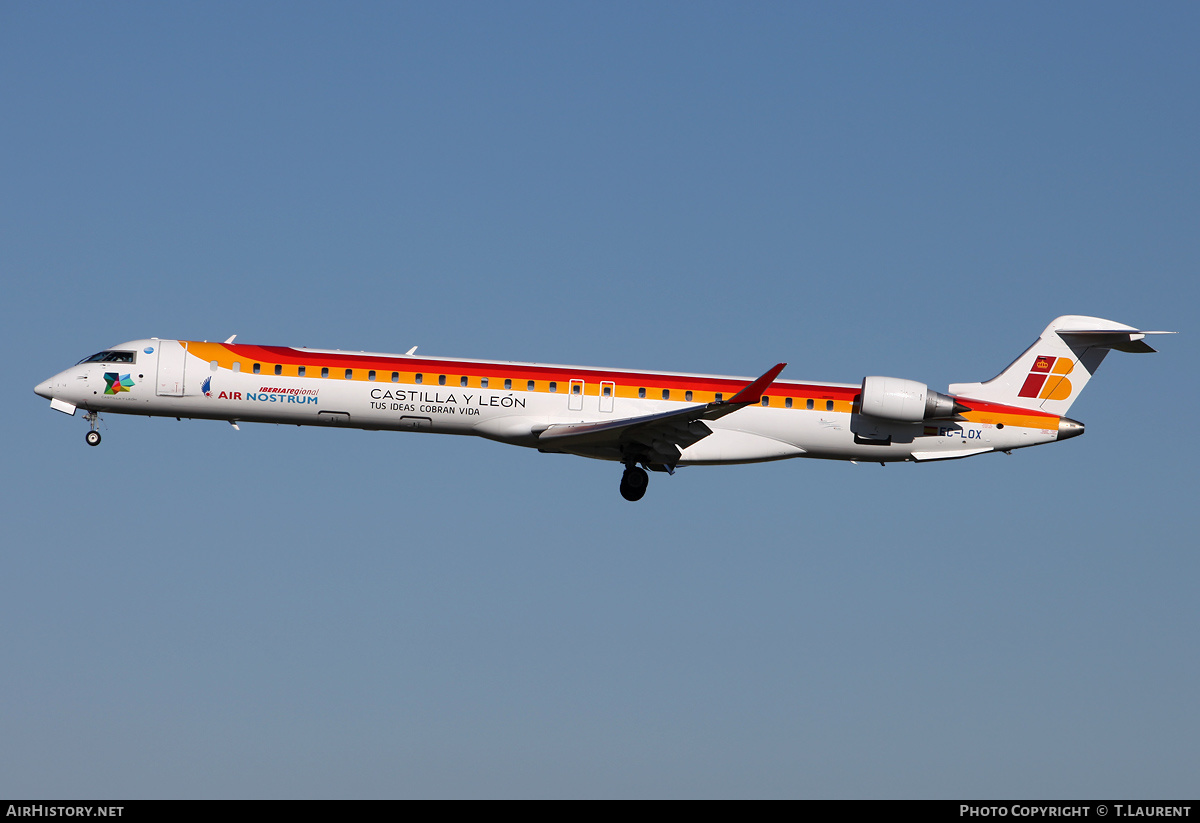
x,y
1127,341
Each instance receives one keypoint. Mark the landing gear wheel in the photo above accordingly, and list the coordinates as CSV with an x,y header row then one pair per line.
x,y
633,483
93,438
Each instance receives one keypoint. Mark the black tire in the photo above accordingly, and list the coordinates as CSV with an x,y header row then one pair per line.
x,y
633,483
93,438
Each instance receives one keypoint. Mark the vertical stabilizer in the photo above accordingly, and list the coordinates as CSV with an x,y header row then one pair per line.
x,y
1052,372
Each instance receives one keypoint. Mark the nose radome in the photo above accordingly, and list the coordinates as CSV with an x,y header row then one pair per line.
x,y
43,390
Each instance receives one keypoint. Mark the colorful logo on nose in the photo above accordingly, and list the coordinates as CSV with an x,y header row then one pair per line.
x,y
115,383
1047,379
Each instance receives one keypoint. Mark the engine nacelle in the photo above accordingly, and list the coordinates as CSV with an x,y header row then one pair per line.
x,y
905,401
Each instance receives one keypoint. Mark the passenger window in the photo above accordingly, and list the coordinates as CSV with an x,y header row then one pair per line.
x,y
553,387
278,369
666,394
808,404
641,392
687,395
529,386
324,371
419,378
508,382
237,366
371,375
349,374
441,379
576,388
608,391
483,383
300,371
395,377
828,405
766,401
462,381
787,402
257,368
212,366
717,397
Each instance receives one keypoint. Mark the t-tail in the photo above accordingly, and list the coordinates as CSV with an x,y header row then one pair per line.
x,y
1053,371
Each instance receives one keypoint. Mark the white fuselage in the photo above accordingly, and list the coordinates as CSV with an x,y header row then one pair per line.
x,y
516,402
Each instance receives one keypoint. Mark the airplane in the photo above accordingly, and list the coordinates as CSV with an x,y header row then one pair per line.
x,y
645,420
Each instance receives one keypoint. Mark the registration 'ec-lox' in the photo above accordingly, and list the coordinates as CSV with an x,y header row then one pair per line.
x,y
645,420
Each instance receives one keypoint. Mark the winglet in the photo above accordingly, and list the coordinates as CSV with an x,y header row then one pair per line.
x,y
754,392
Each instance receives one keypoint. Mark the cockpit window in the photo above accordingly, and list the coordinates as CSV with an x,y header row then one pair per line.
x,y
109,357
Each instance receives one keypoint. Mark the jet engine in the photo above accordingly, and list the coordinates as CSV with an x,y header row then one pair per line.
x,y
905,401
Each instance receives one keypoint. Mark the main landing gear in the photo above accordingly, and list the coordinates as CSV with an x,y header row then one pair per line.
x,y
634,482
92,437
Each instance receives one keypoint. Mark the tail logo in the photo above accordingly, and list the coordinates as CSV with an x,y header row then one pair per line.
x,y
1047,379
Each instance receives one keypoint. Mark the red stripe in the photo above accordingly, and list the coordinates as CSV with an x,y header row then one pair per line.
x,y
285,355
1000,408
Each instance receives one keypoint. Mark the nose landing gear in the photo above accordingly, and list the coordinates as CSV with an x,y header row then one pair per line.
x,y
634,482
92,437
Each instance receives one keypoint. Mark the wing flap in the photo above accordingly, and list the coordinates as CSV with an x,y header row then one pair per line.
x,y
603,432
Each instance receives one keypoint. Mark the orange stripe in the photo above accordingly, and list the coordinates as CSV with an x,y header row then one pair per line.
x,y
704,389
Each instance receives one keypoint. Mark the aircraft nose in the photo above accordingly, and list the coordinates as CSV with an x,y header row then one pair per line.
x,y
43,389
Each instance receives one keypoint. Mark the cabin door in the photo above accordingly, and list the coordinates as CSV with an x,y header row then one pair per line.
x,y
172,358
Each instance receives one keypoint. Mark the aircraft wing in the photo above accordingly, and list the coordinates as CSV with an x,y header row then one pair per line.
x,y
654,439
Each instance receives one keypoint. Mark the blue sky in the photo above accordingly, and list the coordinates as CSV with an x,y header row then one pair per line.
x,y
911,190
